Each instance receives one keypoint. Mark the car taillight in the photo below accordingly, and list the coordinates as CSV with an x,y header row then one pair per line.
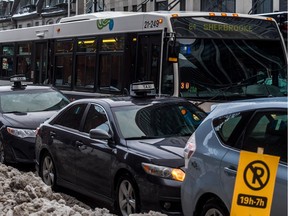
x,y
189,149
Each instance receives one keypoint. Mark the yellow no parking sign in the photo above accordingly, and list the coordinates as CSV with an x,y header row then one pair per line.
x,y
254,186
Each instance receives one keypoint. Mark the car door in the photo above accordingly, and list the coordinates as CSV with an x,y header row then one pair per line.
x,y
94,156
64,132
256,136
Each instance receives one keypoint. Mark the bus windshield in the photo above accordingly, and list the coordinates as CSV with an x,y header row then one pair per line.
x,y
230,57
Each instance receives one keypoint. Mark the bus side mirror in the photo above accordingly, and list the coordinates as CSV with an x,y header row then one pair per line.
x,y
173,51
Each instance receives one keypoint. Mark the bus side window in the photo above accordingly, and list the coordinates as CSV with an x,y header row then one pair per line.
x,y
167,80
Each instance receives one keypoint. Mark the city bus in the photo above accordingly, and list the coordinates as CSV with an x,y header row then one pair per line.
x,y
204,57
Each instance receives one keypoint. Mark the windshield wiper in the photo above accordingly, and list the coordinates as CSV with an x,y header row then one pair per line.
x,y
142,137
16,112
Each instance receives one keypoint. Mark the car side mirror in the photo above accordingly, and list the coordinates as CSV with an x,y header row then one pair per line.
x,y
99,134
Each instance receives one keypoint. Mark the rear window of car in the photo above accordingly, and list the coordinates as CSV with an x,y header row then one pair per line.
x,y
158,120
266,129
32,101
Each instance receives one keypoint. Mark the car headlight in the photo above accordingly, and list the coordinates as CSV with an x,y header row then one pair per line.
x,y
164,172
22,133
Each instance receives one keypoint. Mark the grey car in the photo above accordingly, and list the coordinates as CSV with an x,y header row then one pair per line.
x,y
212,154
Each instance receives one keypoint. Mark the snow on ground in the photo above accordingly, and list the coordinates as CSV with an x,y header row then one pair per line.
x,y
25,194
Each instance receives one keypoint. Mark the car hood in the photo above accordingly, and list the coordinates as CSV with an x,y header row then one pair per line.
x,y
27,120
162,151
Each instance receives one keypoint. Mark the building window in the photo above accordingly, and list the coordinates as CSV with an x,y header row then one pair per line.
x,y
161,5
144,7
5,8
53,3
218,5
125,8
264,6
89,6
134,8
49,22
283,5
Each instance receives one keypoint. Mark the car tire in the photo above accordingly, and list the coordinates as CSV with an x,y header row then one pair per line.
x,y
127,197
47,170
2,153
214,207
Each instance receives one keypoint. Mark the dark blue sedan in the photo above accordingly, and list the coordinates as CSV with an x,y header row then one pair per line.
x,y
125,151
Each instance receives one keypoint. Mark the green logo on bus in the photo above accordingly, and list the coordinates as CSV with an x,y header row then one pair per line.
x,y
104,22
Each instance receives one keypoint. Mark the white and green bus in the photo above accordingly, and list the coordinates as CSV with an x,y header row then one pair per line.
x,y
205,57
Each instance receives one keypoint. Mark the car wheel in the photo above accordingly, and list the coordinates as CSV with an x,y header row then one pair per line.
x,y
47,170
127,196
214,207
2,153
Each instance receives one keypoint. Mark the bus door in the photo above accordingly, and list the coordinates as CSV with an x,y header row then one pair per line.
x,y
41,63
148,58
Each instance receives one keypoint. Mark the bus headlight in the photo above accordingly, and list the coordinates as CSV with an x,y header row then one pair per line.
x,y
22,133
164,172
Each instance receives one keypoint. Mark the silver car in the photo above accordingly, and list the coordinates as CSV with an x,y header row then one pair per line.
x,y
212,154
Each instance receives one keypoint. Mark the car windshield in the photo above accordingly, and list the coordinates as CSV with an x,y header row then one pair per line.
x,y
158,120
32,101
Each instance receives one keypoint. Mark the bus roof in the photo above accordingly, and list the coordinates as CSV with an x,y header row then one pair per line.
x,y
115,14
73,26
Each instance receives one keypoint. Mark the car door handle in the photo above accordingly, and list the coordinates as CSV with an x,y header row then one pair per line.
x,y
230,171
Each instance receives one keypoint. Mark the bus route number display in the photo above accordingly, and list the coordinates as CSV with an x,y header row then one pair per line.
x,y
254,186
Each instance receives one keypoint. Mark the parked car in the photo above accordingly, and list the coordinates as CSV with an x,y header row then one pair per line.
x,y
22,109
212,154
125,151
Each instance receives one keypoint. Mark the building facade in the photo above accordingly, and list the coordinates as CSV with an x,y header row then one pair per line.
x,y
27,13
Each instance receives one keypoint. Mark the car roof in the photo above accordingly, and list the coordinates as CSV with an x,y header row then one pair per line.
x,y
250,104
118,101
10,88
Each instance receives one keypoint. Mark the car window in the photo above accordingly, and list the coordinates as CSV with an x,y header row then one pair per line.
x,y
158,120
72,117
268,130
32,101
96,118
225,125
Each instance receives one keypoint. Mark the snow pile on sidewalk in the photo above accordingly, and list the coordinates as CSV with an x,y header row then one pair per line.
x,y
25,194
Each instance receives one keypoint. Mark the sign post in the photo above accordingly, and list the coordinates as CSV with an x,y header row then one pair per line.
x,y
254,185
